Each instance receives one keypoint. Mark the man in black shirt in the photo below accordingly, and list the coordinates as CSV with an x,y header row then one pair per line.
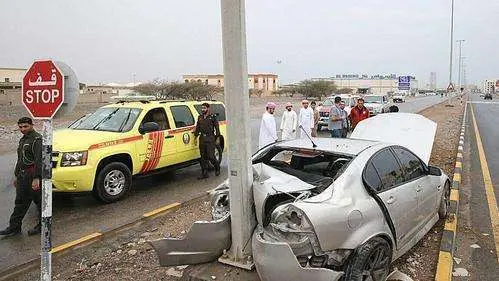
x,y
27,178
207,129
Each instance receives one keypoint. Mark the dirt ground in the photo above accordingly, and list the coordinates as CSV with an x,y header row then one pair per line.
x,y
127,256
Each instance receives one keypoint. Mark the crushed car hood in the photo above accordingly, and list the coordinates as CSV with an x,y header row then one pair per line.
x,y
412,131
269,181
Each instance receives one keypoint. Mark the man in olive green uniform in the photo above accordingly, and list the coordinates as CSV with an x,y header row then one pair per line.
x,y
27,178
207,129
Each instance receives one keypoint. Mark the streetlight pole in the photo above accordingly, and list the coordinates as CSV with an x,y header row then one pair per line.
x,y
460,63
451,44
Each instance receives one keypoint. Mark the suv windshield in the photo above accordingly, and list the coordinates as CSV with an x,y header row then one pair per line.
x,y
373,99
328,102
112,119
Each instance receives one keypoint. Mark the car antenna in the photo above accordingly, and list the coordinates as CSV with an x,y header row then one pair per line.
x,y
313,143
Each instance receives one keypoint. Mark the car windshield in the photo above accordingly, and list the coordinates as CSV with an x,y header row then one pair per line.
x,y
111,119
313,167
373,99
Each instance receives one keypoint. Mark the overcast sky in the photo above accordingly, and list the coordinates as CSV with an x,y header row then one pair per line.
x,y
109,41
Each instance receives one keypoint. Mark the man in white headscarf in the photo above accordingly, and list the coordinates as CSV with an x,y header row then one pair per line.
x,y
268,129
306,119
289,122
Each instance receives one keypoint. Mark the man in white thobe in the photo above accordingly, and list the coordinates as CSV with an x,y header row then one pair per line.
x,y
288,123
268,129
306,119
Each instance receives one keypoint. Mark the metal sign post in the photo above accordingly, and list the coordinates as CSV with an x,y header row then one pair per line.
x,y
46,241
43,95
238,132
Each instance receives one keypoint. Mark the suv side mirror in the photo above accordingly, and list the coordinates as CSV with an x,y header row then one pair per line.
x,y
434,171
148,127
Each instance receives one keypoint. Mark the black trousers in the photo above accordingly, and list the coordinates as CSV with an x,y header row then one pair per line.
x,y
207,151
24,196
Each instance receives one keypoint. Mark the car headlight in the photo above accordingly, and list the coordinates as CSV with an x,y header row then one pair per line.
x,y
76,158
220,206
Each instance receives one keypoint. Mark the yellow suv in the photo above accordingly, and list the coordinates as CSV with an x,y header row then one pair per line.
x,y
101,151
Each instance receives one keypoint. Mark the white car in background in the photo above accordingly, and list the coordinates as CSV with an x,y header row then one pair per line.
x,y
377,104
398,98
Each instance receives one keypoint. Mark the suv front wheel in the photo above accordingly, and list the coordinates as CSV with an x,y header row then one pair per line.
x,y
112,182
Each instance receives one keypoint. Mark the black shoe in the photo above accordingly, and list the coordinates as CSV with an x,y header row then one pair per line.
x,y
217,171
203,176
35,230
9,232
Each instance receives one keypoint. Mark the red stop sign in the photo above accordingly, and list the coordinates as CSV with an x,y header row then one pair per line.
x,y
43,89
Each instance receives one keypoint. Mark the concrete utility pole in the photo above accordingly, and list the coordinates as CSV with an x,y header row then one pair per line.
x,y
238,132
460,63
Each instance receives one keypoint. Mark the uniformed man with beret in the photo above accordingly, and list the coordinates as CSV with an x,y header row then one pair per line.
x,y
207,129
27,178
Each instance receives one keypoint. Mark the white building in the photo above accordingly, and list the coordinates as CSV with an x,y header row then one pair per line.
x,y
373,84
488,85
267,82
11,78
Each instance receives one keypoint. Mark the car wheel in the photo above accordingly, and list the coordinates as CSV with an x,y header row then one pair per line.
x,y
113,182
371,261
218,153
444,202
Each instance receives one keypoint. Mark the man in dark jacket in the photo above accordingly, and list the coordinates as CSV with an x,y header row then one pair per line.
x,y
207,129
27,178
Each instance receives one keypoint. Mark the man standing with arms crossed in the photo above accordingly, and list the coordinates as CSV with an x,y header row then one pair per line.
x,y
358,113
207,129
288,123
28,174
268,129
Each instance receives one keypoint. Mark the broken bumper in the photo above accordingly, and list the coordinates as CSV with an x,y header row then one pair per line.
x,y
204,242
276,261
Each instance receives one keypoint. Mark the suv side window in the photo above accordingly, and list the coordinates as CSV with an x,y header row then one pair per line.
x,y
182,116
410,163
157,115
388,169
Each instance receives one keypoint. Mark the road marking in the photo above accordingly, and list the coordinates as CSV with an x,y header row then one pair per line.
x,y
451,223
459,165
457,177
162,209
489,188
75,242
454,195
444,269
483,102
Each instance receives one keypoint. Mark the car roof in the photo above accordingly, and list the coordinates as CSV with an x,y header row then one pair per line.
x,y
344,146
157,103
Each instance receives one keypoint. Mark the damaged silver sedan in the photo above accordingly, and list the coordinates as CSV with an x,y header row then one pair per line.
x,y
334,209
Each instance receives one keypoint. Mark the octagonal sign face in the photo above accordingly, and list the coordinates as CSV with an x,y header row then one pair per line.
x,y
43,89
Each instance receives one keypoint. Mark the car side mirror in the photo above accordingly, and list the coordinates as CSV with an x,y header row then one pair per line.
x,y
434,171
148,127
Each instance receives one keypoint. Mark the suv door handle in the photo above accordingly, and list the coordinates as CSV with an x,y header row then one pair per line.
x,y
391,200
169,136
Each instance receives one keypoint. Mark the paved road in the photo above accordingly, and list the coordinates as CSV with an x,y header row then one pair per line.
x,y
478,219
74,217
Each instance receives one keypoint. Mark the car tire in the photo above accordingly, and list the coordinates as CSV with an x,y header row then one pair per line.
x,y
112,182
218,153
372,259
443,209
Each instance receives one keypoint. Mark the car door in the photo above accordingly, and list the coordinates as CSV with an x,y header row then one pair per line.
x,y
400,199
185,141
415,172
157,149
